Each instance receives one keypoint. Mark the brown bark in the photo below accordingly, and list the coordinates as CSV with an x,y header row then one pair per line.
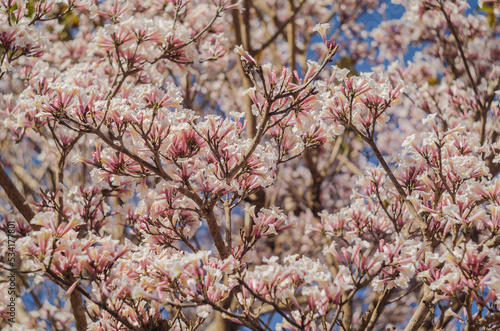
x,y
16,197
78,311
242,38
418,317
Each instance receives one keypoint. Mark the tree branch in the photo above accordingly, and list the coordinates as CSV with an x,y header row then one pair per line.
x,y
423,308
16,197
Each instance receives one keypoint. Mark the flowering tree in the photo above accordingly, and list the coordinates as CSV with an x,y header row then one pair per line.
x,y
210,164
